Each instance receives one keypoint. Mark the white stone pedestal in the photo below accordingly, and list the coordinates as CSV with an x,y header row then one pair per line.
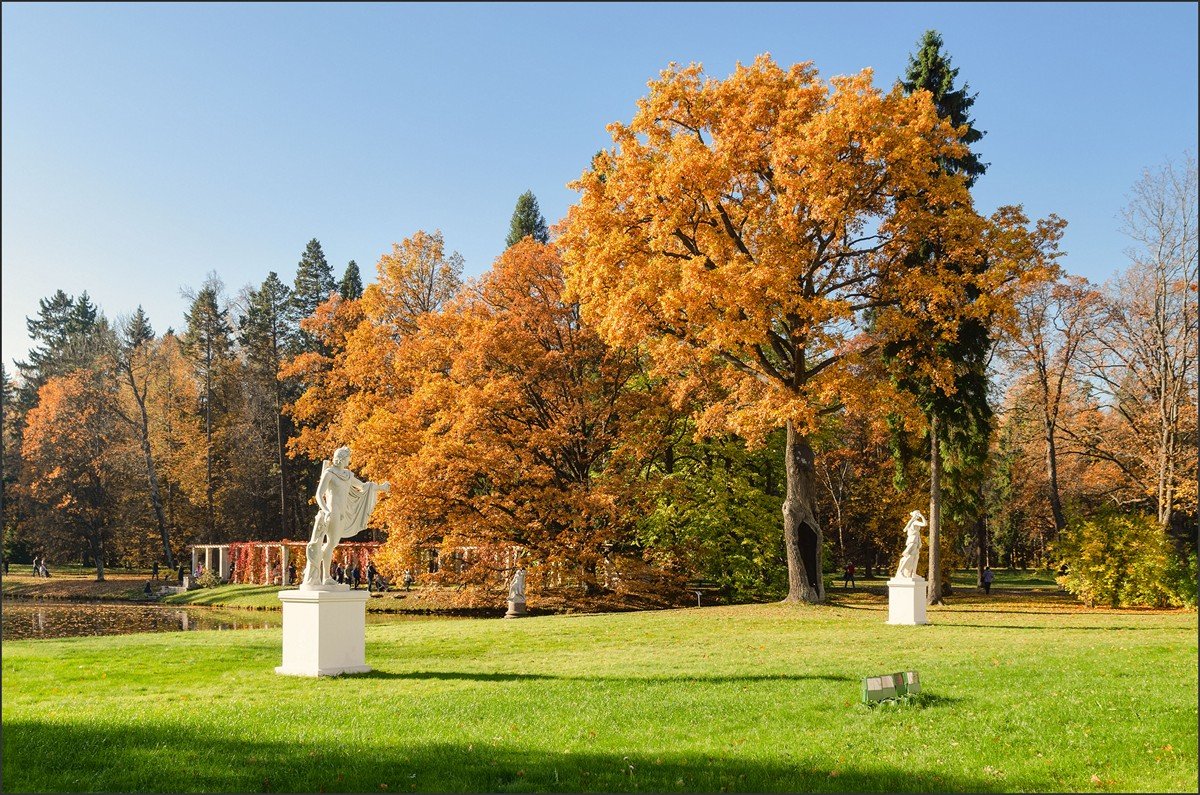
x,y
906,600
324,633
515,609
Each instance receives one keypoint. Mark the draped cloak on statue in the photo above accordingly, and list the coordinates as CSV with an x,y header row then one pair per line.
x,y
350,500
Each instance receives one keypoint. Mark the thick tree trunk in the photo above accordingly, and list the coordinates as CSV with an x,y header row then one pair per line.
x,y
981,543
98,554
935,513
284,527
160,515
208,467
801,533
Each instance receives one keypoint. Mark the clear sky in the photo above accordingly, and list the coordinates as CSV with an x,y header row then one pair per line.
x,y
146,145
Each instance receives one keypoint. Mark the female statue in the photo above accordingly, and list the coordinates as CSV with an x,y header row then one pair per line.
x,y
344,505
912,546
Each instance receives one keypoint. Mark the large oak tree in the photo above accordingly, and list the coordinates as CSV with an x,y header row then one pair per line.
x,y
748,231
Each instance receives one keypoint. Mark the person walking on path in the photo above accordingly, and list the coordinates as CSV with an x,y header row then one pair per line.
x,y
154,570
848,576
988,576
370,575
355,576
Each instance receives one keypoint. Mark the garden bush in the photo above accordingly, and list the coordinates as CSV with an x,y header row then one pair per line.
x,y
1123,560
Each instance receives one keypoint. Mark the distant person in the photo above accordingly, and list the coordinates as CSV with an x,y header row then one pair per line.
x,y
408,579
181,574
154,570
291,574
988,576
37,566
371,575
356,576
848,576
45,571
146,590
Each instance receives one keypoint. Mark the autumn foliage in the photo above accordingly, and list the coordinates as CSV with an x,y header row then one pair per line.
x,y
766,284
753,235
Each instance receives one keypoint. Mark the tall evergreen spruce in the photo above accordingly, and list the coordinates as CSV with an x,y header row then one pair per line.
x,y
930,70
527,221
208,344
267,338
351,286
63,333
959,423
314,284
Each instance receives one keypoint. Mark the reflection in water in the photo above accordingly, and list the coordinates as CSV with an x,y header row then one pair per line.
x,y
36,619
20,620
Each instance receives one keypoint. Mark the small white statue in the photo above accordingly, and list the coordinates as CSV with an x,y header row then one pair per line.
x,y
912,546
516,590
344,505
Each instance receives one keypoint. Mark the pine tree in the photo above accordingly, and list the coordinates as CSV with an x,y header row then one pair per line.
x,y
959,422
314,281
527,221
267,338
930,70
62,333
207,343
351,286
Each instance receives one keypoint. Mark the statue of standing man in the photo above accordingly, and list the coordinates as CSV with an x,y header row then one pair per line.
x,y
344,505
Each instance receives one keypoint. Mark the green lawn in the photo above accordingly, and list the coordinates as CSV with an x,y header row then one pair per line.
x,y
1041,697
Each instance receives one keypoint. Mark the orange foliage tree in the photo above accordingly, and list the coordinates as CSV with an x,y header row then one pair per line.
x,y
518,410
748,231
71,437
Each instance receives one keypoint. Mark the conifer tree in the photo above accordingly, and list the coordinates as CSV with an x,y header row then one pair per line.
x,y
267,338
208,344
351,286
527,221
314,284
62,333
959,421
930,70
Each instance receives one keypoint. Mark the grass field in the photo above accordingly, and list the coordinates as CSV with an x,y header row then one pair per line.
x,y
1021,694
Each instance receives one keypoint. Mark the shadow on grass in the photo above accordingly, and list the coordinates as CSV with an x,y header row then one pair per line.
x,y
1056,627
918,701
522,677
123,757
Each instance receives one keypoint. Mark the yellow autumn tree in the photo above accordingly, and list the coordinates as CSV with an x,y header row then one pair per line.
x,y
751,233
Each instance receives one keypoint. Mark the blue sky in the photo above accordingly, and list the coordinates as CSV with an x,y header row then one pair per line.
x,y
146,145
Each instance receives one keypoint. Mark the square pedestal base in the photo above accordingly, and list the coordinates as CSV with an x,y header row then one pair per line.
x,y
324,633
515,609
906,600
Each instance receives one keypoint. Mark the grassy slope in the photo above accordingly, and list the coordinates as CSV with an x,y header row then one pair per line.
x,y
750,698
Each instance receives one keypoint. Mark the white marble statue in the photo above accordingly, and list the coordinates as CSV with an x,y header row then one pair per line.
x,y
344,505
912,546
516,590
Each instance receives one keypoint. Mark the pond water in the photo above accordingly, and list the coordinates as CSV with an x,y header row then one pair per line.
x,y
23,619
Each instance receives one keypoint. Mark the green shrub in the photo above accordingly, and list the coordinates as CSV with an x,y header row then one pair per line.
x,y
1123,560
209,579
